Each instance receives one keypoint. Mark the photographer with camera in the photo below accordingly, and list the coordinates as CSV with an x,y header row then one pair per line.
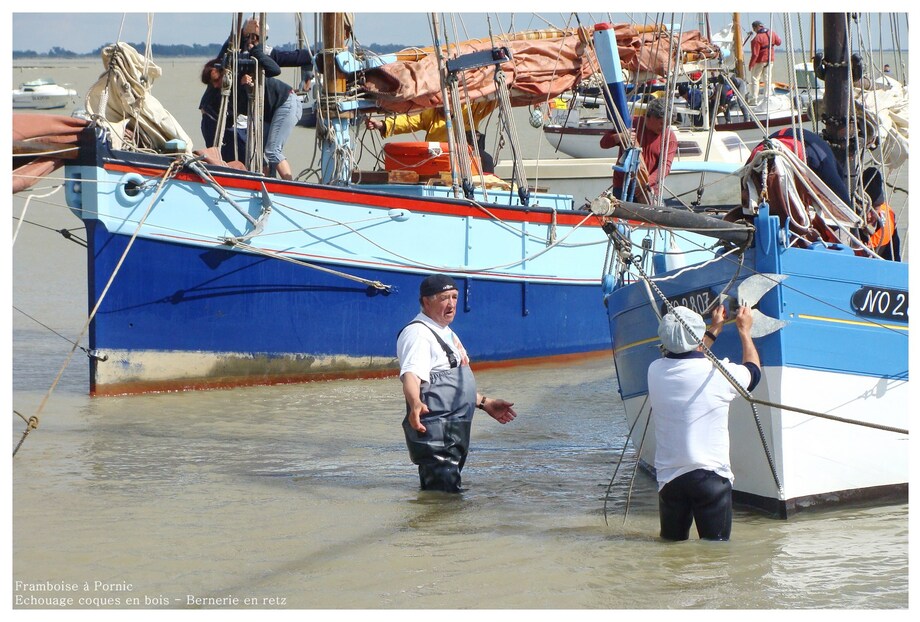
x,y
282,106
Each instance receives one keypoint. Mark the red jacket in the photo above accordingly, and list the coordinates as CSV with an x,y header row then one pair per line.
x,y
763,47
651,145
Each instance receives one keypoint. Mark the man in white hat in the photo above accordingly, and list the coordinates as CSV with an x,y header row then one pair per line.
x,y
689,398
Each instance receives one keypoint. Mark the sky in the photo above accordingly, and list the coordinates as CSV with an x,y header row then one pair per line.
x,y
84,32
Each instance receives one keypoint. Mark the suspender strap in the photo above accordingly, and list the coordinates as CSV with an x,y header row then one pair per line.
x,y
451,355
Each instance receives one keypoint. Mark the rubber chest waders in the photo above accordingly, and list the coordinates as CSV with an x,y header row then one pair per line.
x,y
441,451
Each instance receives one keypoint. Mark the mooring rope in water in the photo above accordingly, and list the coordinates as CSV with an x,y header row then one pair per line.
x,y
170,172
31,424
45,326
632,480
620,461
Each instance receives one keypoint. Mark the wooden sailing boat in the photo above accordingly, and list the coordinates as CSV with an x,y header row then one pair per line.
x,y
201,275
829,422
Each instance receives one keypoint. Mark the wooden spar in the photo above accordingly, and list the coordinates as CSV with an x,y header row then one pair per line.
x,y
37,148
334,81
416,54
301,38
734,233
739,45
837,86
336,160
813,35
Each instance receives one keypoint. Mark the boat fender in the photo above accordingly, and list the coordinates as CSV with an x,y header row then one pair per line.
x,y
73,192
399,214
174,146
129,189
608,284
536,118
835,247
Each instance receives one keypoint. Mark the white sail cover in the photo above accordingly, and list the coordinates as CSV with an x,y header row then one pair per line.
x,y
886,103
121,101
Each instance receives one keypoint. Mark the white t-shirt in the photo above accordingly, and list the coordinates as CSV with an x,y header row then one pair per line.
x,y
419,351
689,399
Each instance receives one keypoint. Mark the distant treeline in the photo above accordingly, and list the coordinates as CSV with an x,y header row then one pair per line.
x,y
196,50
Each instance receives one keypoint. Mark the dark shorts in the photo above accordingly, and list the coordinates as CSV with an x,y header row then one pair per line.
x,y
701,496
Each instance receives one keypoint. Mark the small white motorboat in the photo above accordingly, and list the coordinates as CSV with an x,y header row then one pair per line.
x,y
42,94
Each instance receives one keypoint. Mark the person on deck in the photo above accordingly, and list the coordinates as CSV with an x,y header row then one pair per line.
x,y
213,76
431,121
689,399
232,143
884,240
763,53
653,134
818,156
694,98
734,92
439,389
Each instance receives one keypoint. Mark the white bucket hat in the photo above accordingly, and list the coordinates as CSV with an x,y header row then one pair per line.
x,y
674,337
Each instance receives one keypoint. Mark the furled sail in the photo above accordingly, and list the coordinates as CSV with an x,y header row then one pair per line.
x,y
121,101
543,65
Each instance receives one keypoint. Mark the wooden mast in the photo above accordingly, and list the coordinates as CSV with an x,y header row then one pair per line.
x,y
333,42
336,146
739,45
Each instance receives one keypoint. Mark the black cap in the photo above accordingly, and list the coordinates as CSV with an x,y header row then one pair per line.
x,y
757,24
435,284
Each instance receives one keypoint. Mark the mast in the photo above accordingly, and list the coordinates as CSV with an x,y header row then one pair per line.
x,y
839,129
336,146
739,45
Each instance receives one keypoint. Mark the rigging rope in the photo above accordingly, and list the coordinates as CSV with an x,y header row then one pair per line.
x,y
718,365
25,209
266,253
173,169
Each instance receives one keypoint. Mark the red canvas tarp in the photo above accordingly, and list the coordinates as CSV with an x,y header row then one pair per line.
x,y
44,140
540,69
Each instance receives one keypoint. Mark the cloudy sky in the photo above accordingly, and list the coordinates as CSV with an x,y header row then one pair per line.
x,y
84,32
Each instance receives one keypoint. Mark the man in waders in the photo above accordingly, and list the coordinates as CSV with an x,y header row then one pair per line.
x,y
689,398
439,388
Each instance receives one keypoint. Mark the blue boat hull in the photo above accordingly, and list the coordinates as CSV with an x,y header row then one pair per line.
x,y
189,293
264,320
843,352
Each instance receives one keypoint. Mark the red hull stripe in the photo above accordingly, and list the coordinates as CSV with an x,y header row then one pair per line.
x,y
372,199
